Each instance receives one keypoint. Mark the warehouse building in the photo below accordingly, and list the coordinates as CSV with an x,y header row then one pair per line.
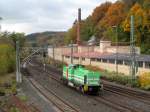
x,y
104,56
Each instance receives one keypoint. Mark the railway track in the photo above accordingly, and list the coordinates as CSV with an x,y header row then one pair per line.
x,y
121,107
125,91
119,91
117,106
145,97
106,102
62,105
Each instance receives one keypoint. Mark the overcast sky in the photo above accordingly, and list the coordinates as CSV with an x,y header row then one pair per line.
x,y
43,15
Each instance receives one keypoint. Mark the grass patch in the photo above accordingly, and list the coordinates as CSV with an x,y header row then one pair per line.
x,y
8,84
23,98
14,109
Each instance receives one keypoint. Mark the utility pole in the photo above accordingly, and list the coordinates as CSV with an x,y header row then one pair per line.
x,y
18,74
132,49
71,52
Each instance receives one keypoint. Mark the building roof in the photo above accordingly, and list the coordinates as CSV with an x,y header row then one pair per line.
x,y
127,57
120,56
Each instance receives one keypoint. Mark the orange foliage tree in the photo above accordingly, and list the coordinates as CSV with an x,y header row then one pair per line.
x,y
115,14
140,21
99,12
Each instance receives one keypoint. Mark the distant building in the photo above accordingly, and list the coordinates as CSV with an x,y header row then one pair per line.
x,y
103,56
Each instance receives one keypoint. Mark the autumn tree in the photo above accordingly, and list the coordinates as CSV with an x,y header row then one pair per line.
x,y
99,12
115,14
114,17
100,23
139,18
145,46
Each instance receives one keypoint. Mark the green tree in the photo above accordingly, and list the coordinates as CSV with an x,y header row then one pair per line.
x,y
11,38
17,37
7,59
87,29
71,35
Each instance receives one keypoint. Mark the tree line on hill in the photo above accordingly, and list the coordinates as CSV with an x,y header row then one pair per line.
x,y
111,19
47,38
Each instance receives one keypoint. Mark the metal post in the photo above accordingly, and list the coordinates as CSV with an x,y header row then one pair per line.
x,y
44,55
117,50
18,74
53,53
116,27
71,52
132,49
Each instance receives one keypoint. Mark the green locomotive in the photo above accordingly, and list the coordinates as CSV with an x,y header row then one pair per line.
x,y
79,77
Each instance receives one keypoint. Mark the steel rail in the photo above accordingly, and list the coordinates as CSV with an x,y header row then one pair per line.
x,y
107,102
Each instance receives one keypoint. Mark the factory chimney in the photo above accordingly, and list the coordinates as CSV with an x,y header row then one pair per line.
x,y
78,26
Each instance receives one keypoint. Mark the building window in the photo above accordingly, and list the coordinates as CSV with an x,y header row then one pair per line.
x,y
99,60
76,58
112,61
127,62
120,62
67,56
104,60
147,64
83,59
140,63
93,59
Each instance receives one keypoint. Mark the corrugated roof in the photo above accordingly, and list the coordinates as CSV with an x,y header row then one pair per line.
x,y
128,57
98,55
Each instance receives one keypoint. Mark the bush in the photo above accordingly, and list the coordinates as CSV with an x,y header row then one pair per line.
x,y
144,80
14,87
94,68
7,59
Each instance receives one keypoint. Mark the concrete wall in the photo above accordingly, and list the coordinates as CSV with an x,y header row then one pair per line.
x,y
85,49
112,67
121,49
103,48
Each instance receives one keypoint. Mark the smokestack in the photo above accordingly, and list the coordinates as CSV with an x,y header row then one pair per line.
x,y
78,26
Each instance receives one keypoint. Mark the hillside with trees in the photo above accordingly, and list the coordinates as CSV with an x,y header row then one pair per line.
x,y
108,18
46,38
